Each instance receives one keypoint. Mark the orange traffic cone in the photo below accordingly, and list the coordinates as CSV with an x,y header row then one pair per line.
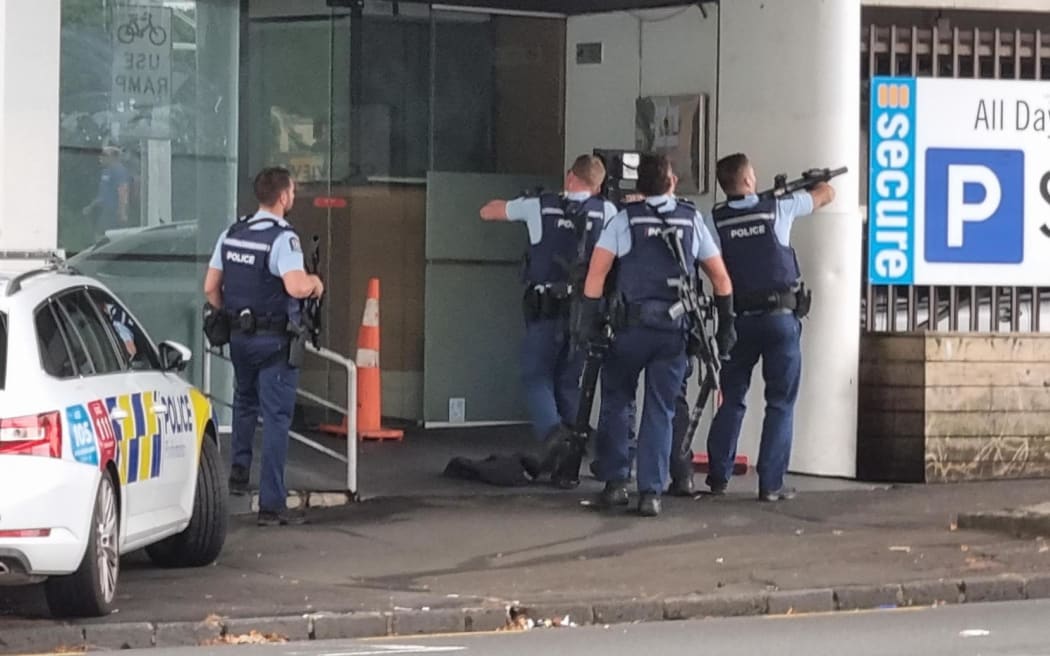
x,y
369,388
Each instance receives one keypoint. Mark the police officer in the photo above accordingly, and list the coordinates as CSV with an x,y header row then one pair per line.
x,y
257,278
562,231
769,300
647,337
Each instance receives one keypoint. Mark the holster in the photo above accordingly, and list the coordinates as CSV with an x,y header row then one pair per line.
x,y
216,325
297,344
803,301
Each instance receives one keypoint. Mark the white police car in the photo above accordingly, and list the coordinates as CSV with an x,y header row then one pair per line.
x,y
104,448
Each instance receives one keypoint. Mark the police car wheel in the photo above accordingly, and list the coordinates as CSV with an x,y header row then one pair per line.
x,y
201,541
89,591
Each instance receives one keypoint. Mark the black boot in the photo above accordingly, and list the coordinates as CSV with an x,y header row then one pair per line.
x,y
614,494
238,481
649,504
681,487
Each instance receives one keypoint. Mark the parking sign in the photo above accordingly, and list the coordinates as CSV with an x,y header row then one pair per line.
x,y
958,170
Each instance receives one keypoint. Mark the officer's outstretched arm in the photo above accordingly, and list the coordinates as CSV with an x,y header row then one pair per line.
x,y
601,264
213,287
715,268
494,210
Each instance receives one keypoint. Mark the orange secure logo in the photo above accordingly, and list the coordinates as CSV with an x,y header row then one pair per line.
x,y
896,96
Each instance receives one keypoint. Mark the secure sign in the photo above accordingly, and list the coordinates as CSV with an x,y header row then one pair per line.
x,y
959,177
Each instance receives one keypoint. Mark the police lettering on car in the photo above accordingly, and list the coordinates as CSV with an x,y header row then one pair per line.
x,y
254,285
647,337
562,231
770,300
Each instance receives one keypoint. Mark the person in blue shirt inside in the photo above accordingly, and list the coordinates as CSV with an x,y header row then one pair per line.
x,y
111,199
648,338
562,230
754,234
257,276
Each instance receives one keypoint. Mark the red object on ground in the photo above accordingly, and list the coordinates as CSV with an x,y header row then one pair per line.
x,y
700,464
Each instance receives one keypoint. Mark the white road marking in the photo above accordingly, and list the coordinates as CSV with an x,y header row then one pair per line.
x,y
974,633
382,650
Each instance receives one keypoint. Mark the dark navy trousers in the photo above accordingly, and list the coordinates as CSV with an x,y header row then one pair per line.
x,y
550,374
661,355
263,379
775,338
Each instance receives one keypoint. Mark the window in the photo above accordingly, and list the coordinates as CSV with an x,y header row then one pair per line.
x,y
135,347
54,349
148,149
3,348
87,323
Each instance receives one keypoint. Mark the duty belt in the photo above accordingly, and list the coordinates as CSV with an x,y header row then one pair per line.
x,y
766,302
546,301
256,325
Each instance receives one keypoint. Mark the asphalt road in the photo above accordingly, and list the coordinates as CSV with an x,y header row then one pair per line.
x,y
1000,629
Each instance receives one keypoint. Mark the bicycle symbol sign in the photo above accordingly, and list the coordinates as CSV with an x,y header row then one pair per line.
x,y
140,26
140,73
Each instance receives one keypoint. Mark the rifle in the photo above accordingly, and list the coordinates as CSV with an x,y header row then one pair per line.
x,y
565,449
699,309
312,306
782,187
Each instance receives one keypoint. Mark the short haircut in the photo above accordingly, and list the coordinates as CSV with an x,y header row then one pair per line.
x,y
730,169
270,183
654,175
590,169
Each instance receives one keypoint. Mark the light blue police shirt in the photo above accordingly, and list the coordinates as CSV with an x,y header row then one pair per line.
x,y
528,210
286,254
616,235
788,209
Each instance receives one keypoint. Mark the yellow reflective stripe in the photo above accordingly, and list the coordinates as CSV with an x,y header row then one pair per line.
x,y
201,414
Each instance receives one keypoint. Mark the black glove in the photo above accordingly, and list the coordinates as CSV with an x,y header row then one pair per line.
x,y
726,335
587,322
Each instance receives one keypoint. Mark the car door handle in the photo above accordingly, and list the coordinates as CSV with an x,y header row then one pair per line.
x,y
118,414
160,409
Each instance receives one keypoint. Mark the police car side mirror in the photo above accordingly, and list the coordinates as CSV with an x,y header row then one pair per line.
x,y
174,356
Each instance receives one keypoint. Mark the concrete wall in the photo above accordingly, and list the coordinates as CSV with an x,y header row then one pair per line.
x,y
29,73
939,407
654,52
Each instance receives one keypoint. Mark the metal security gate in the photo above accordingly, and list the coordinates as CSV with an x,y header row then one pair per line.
x,y
960,53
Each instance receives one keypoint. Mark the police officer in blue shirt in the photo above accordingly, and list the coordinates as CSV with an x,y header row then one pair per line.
x,y
769,299
562,231
257,277
647,336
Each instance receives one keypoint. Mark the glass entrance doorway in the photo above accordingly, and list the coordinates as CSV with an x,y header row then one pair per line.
x,y
365,105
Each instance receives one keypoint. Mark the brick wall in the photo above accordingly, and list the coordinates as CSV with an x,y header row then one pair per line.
x,y
941,407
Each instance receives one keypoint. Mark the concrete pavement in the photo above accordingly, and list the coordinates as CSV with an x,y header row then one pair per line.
x,y
455,562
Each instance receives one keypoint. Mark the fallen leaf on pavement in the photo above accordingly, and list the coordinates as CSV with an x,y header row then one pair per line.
x,y
253,637
518,620
904,549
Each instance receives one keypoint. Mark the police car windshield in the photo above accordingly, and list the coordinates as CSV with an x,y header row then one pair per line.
x,y
3,349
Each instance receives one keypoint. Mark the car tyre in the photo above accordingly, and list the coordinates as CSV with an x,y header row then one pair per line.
x,y
91,589
201,541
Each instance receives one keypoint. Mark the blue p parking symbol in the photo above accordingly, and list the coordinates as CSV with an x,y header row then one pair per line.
x,y
974,206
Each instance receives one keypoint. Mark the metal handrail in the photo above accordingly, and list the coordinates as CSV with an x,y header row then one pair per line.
x,y
350,410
